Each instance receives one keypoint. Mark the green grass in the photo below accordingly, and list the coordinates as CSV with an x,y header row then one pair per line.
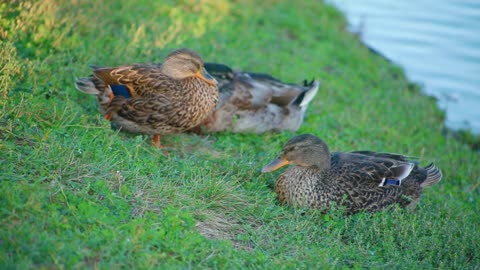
x,y
75,194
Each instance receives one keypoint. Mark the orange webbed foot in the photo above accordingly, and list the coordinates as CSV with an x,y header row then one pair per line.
x,y
157,144
156,141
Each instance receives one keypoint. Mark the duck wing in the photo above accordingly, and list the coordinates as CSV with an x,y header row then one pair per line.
x,y
143,94
257,102
374,169
239,89
144,80
382,155
253,90
152,111
366,186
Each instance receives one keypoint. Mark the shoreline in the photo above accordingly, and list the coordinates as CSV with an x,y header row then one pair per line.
x,y
462,135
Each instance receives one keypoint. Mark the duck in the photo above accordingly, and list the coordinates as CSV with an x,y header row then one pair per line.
x,y
154,99
359,181
256,102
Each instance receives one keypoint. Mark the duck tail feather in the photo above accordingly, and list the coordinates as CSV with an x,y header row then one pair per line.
x,y
87,86
434,175
307,96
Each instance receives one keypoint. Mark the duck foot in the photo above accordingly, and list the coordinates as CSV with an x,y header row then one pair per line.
x,y
156,141
157,144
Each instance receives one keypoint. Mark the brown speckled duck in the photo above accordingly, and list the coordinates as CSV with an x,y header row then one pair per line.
x,y
256,103
359,181
154,99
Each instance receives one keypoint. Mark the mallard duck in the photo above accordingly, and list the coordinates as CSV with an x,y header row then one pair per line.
x,y
359,180
256,103
154,99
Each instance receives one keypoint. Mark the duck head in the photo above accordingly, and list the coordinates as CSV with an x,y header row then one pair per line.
x,y
184,63
304,150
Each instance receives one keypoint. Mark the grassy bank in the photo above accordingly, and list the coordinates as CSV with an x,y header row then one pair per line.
x,y
75,194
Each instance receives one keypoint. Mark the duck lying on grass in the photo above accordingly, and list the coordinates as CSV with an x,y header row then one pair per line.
x,y
358,181
154,99
256,103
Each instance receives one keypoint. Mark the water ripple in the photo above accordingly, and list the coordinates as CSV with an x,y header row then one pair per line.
x,y
436,41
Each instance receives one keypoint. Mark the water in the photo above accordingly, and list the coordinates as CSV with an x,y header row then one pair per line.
x,y
437,42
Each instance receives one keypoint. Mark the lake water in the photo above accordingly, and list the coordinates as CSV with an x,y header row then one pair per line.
x,y
437,42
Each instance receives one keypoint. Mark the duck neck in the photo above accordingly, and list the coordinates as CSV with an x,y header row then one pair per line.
x,y
323,166
322,161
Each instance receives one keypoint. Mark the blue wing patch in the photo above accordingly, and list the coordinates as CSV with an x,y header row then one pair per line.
x,y
120,90
392,182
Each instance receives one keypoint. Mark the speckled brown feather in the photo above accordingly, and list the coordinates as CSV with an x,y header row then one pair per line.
x,y
158,103
164,112
350,179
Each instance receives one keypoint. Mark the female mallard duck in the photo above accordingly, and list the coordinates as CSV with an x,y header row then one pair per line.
x,y
155,99
359,181
255,102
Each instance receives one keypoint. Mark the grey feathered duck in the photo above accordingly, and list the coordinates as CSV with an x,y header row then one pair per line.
x,y
256,102
359,180
154,99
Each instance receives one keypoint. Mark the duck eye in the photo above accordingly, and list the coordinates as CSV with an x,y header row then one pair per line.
x,y
291,148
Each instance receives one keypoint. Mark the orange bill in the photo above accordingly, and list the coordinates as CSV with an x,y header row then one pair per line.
x,y
274,165
206,77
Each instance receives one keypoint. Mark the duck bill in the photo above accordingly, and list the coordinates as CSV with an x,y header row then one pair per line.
x,y
275,165
206,77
